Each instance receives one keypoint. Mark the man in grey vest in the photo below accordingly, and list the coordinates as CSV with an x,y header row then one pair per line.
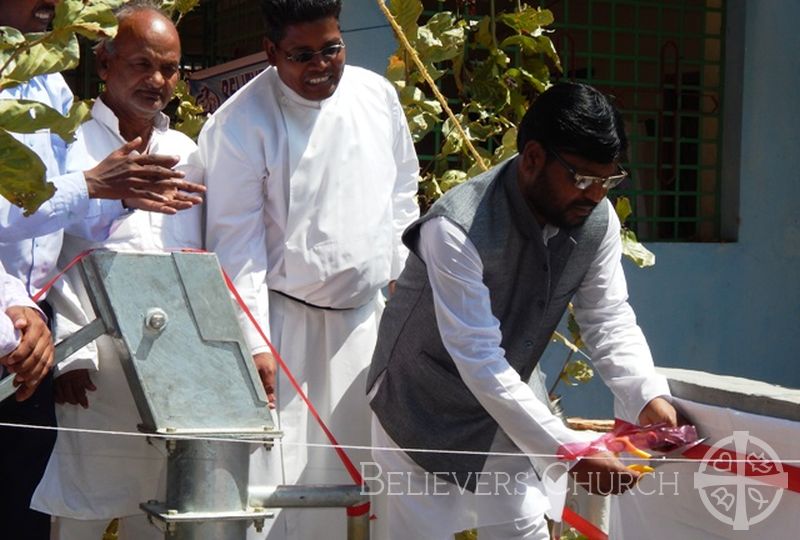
x,y
493,265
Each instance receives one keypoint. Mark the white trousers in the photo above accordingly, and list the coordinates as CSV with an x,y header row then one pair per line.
x,y
329,353
509,501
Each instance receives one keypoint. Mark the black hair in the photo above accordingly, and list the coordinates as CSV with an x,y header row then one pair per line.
x,y
575,118
278,14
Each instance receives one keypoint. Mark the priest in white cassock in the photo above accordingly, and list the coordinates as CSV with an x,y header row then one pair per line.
x,y
92,479
312,178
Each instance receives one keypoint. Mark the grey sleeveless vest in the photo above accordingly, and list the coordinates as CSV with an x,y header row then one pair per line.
x,y
422,401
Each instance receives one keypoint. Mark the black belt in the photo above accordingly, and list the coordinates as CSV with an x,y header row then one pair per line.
x,y
309,304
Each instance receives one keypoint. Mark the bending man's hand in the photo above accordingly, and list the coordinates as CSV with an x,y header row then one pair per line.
x,y
267,370
603,474
659,410
145,181
71,388
33,357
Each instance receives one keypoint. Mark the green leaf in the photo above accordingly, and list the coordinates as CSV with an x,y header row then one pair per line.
x,y
410,95
181,6
434,46
451,178
431,105
430,190
453,140
574,329
442,38
396,69
25,116
486,85
484,34
536,74
407,13
191,116
191,126
10,38
635,251
58,52
623,208
526,43
529,20
420,123
508,146
23,174
577,372
93,20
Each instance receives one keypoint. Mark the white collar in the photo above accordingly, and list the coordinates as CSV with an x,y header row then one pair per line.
x,y
290,96
103,114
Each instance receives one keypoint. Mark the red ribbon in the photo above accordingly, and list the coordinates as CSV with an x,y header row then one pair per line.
x,y
348,464
583,525
723,459
47,286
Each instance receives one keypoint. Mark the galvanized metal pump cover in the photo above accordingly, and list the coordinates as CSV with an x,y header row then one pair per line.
x,y
182,350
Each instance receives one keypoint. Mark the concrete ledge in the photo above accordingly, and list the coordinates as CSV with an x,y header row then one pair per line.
x,y
737,393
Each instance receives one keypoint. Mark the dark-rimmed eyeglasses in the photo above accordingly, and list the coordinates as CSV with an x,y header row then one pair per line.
x,y
303,57
584,181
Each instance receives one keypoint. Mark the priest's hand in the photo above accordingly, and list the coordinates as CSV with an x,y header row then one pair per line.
x,y
659,410
603,474
144,181
71,388
267,370
33,357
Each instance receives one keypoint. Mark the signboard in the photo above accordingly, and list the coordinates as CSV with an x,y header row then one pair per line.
x,y
212,86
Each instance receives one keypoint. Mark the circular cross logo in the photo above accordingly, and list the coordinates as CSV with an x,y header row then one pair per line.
x,y
741,486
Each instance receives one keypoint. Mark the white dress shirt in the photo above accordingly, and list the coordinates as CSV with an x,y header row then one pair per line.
x,y
309,197
12,293
471,334
29,246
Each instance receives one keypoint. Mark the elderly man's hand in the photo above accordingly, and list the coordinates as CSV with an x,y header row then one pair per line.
x,y
144,181
71,387
33,357
659,410
267,370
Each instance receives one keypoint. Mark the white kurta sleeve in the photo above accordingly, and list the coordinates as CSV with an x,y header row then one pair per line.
x,y
12,293
235,228
615,342
404,195
70,205
471,334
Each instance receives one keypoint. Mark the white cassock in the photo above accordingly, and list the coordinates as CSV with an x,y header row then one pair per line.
x,y
310,198
95,478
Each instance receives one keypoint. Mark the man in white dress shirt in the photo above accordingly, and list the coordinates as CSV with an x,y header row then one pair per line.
x,y
29,248
312,177
92,479
494,264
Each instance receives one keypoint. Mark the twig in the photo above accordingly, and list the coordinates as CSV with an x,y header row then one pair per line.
x,y
425,75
